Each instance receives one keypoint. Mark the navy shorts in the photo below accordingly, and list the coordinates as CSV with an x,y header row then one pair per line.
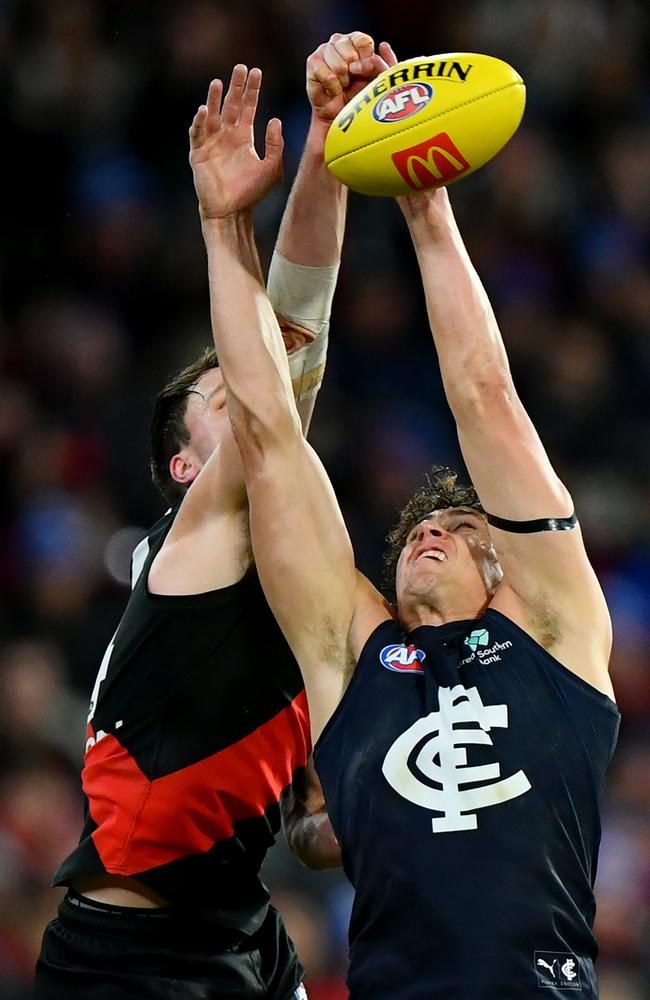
x,y
95,951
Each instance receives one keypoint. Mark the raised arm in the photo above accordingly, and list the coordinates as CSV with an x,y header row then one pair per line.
x,y
302,549
304,268
548,581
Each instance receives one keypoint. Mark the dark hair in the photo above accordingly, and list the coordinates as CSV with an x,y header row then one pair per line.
x,y
167,431
441,490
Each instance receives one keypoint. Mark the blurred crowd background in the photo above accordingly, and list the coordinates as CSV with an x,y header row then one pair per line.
x,y
103,294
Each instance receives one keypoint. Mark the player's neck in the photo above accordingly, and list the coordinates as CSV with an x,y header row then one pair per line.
x,y
418,612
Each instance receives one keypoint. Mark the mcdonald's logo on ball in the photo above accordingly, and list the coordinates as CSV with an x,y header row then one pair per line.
x,y
432,163
394,137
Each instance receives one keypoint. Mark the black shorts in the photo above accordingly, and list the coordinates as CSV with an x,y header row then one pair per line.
x,y
93,951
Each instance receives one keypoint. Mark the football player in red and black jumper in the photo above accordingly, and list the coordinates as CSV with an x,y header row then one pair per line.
x,y
198,720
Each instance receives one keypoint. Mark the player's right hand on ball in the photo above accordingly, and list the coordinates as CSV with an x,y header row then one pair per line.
x,y
229,176
340,68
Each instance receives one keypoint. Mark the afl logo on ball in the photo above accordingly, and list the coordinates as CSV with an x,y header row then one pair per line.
x,y
402,102
403,659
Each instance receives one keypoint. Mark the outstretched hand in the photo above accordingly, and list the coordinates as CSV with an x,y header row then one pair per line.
x,y
229,176
340,68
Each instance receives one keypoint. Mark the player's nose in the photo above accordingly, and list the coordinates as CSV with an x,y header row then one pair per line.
x,y
430,530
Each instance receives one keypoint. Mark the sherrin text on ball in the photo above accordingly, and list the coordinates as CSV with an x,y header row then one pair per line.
x,y
425,122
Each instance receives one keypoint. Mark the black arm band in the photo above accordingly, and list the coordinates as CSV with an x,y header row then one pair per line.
x,y
539,524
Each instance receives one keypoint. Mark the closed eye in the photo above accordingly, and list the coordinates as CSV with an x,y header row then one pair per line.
x,y
216,397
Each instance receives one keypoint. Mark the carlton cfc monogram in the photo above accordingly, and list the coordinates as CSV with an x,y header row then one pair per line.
x,y
441,735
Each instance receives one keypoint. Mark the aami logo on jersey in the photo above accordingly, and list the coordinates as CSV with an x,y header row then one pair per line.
x,y
431,163
403,659
402,102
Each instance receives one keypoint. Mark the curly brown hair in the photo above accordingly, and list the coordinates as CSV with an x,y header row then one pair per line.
x,y
167,432
441,490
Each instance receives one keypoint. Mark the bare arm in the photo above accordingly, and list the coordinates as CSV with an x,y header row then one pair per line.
x,y
307,827
311,231
304,268
545,572
303,554
313,223
302,549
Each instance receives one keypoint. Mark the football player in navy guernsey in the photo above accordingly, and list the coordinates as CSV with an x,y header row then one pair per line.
x,y
463,734
198,720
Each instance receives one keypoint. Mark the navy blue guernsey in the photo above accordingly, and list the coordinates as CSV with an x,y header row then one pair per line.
x,y
463,773
198,722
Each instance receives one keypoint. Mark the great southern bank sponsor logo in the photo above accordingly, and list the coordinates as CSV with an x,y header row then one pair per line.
x,y
478,638
402,658
402,102
478,642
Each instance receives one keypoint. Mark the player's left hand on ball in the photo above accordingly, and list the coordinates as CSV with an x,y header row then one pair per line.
x,y
340,68
229,176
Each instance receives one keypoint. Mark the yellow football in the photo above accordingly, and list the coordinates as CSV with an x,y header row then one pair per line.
x,y
425,123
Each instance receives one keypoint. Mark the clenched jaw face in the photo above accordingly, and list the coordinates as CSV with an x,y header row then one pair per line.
x,y
448,562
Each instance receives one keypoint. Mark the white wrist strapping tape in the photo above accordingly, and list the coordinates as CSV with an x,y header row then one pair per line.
x,y
303,295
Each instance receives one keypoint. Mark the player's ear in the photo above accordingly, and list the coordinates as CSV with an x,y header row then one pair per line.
x,y
184,467
293,335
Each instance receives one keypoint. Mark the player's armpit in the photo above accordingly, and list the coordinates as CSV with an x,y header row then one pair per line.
x,y
307,826
556,595
550,573
551,590
547,572
187,565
